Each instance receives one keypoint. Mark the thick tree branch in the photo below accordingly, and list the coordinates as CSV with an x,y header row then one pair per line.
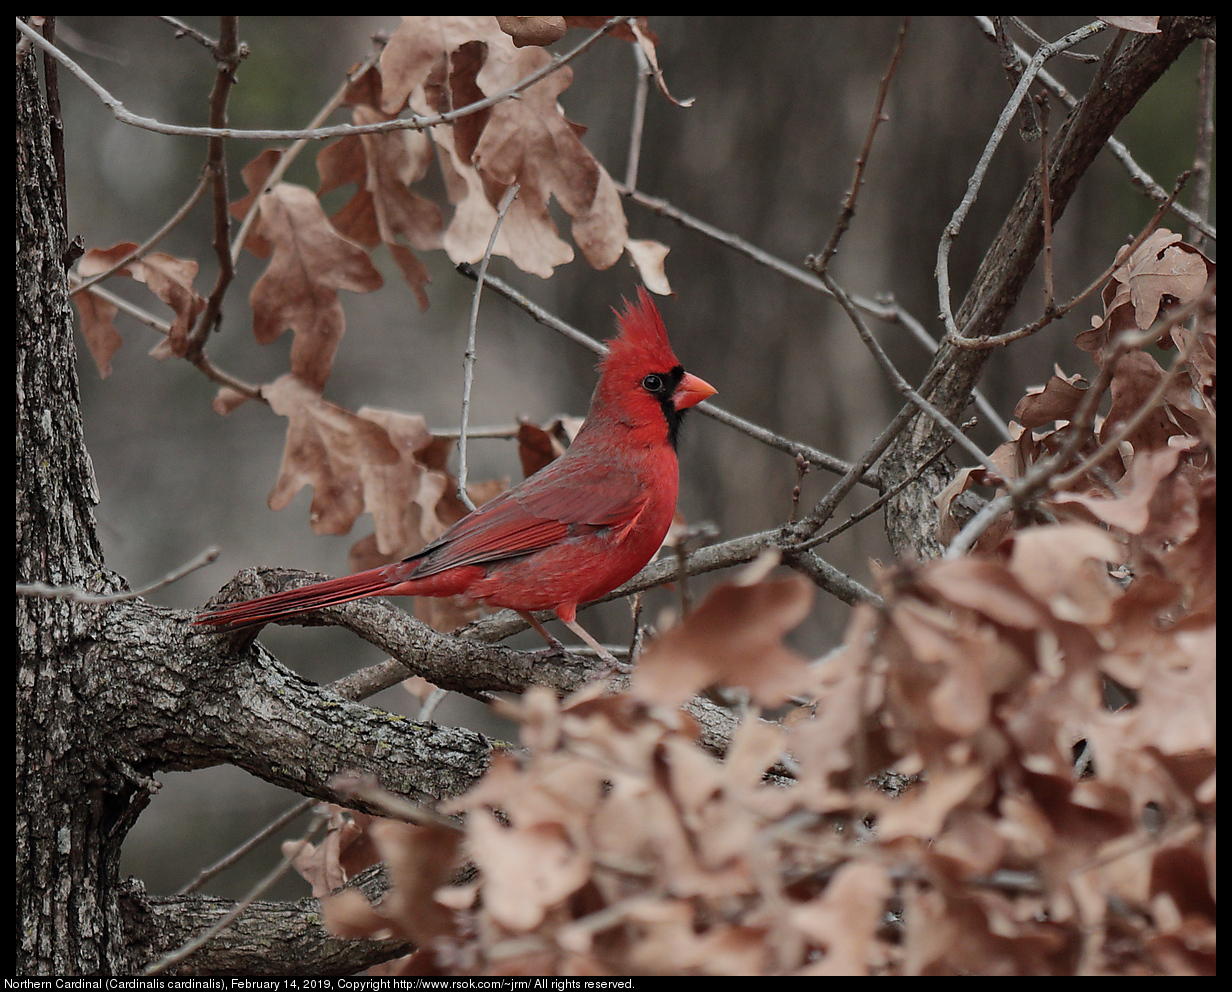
x,y
185,701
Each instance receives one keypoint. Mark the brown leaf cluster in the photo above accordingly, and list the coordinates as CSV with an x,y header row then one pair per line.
x,y
433,65
1159,424
1051,697
167,277
436,64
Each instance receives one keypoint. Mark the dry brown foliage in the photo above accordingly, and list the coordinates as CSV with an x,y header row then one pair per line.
x,y
1052,693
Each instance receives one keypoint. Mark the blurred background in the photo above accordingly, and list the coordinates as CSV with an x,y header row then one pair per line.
x,y
766,153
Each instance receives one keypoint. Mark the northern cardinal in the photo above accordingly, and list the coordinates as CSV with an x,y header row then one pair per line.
x,y
570,533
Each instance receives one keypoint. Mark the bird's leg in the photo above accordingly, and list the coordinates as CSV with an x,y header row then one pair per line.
x,y
554,646
600,650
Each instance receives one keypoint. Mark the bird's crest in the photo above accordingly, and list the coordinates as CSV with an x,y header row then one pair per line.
x,y
642,341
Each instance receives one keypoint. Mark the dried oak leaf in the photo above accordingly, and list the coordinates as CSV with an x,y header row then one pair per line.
x,y
169,278
530,30
1130,509
1163,270
843,922
733,638
97,324
383,167
649,258
441,63
346,851
310,261
420,860
328,448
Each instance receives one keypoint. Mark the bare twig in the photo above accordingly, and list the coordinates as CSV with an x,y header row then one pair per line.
x,y
1046,202
248,846
412,123
820,263
75,594
184,30
878,503
227,53
644,75
974,184
468,362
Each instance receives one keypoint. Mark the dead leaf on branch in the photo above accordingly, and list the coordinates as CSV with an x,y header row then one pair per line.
x,y
167,277
346,851
733,638
1163,271
98,325
310,262
384,167
438,64
327,448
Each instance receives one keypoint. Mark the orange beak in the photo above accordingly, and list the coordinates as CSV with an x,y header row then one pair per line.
x,y
691,391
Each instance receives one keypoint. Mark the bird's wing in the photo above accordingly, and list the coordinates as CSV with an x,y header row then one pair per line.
x,y
548,507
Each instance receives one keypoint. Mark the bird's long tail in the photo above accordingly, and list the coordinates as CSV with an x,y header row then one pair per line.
x,y
279,605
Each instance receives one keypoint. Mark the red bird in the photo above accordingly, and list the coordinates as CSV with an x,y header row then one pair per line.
x,y
570,533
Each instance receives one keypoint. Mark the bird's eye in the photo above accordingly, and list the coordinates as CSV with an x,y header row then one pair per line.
x,y
652,383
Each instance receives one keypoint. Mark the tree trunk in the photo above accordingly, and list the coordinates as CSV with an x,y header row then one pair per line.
x,y
72,806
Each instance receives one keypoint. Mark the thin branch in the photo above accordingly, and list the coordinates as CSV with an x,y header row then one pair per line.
x,y
468,361
412,123
183,30
1046,202
954,226
878,503
901,384
75,594
227,53
991,417
820,263
644,74
248,846
202,361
